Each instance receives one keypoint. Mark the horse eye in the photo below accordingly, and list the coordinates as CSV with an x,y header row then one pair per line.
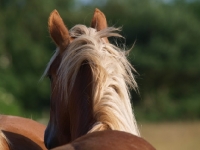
x,y
50,77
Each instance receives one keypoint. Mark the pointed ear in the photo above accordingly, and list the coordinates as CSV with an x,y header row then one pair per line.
x,y
99,20
59,33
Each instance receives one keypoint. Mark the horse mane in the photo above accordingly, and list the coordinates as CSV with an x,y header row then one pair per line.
x,y
111,77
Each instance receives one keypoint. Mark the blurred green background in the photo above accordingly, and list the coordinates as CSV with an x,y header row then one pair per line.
x,y
166,53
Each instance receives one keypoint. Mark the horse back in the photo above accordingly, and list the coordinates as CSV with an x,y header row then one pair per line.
x,y
108,140
19,133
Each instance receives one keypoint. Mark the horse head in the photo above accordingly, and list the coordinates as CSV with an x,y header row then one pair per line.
x,y
67,122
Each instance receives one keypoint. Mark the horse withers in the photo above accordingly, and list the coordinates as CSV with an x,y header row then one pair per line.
x,y
108,140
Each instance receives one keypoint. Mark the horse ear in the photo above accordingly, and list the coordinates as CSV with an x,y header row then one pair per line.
x,y
59,33
99,21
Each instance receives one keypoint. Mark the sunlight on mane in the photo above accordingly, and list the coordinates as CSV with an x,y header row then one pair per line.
x,y
111,77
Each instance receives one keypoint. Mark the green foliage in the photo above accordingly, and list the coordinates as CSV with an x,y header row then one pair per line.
x,y
8,103
166,53
25,49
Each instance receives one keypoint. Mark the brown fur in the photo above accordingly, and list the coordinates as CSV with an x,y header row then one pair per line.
x,y
19,133
56,26
90,78
108,140
99,22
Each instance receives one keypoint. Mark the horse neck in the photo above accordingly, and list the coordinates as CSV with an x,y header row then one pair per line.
x,y
80,104
20,133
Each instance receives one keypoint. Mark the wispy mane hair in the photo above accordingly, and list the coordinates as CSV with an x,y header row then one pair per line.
x,y
111,77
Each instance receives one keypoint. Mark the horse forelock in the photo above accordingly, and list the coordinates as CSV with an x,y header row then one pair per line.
x,y
111,76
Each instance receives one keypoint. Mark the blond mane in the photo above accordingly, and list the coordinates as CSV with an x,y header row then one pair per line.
x,y
111,77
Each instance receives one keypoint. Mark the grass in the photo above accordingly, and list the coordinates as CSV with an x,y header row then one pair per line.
x,y
172,136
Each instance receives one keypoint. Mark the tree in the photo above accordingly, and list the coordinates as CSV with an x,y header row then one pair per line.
x,y
166,53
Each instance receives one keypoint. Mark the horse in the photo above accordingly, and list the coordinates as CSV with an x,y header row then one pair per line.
x,y
108,140
90,80
17,133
